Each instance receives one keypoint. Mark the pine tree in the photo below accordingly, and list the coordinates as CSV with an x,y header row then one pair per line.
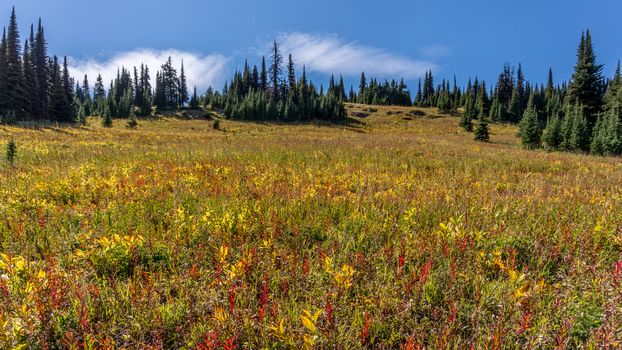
x,y
482,132
482,104
68,93
42,70
29,79
3,72
263,76
194,101
99,95
530,131
466,121
553,133
167,87
362,89
575,133
59,105
132,122
276,71
11,152
586,84
291,79
107,118
183,87
14,79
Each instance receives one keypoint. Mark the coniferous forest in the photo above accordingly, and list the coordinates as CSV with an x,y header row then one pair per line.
x,y
582,114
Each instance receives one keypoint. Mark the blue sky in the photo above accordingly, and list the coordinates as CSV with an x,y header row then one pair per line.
x,y
389,38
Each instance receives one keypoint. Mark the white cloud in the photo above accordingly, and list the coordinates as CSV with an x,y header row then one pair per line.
x,y
330,54
201,71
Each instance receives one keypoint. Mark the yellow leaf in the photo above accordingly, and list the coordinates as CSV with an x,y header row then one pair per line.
x,y
224,251
308,323
220,314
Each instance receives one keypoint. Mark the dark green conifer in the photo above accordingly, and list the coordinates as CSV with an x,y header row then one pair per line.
x,y
530,131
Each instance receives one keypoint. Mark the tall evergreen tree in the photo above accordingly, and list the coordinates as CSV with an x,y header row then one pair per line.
x,y
553,133
14,98
42,74
292,88
276,71
263,76
530,131
59,105
29,79
587,82
183,86
194,101
482,132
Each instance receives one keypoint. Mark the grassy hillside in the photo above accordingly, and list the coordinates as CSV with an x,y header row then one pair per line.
x,y
394,230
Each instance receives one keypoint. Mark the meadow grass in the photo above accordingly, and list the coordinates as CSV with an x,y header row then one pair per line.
x,y
386,232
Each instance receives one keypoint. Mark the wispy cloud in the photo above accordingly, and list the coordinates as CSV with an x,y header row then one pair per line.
x,y
329,54
201,70
434,51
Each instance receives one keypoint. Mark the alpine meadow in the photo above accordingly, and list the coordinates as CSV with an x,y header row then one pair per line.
x,y
306,192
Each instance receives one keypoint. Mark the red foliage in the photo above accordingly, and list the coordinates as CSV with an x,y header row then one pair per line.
x,y
365,331
617,273
329,314
231,298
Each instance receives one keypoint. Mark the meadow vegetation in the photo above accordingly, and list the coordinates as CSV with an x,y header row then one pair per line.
x,y
395,230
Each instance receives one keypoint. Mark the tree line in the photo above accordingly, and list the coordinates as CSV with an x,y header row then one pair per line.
x,y
273,91
32,84
581,115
